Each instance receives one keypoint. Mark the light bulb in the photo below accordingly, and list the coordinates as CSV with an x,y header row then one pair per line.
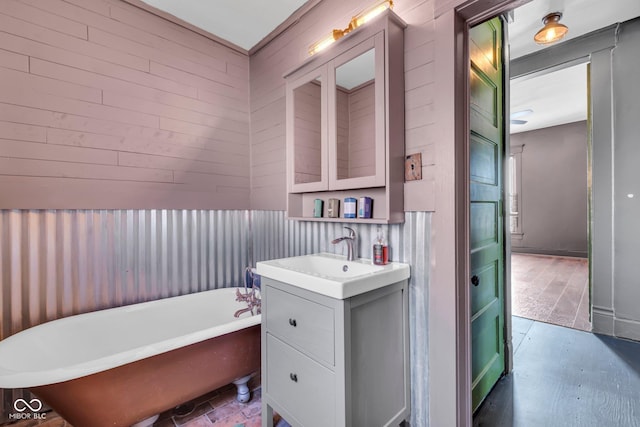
x,y
325,42
552,31
370,13
321,44
360,19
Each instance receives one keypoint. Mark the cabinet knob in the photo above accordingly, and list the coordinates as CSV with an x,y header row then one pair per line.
x,y
293,377
293,322
475,280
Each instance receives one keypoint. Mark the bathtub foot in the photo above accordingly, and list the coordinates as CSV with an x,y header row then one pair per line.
x,y
243,391
147,422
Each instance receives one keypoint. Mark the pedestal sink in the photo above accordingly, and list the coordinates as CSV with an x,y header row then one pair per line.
x,y
332,275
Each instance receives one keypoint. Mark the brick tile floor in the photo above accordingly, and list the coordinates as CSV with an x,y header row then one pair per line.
x,y
218,408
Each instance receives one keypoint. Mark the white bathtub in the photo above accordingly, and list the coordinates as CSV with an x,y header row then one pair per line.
x,y
57,358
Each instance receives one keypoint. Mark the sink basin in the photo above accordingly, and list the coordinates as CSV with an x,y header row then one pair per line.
x,y
332,275
329,266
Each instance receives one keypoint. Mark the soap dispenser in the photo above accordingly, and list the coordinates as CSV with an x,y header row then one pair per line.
x,y
380,249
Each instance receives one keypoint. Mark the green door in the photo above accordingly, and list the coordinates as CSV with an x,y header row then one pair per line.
x,y
486,213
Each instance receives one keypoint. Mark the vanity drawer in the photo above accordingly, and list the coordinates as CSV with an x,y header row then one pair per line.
x,y
300,384
306,325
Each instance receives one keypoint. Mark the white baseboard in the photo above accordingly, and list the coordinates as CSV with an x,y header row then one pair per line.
x,y
625,328
604,321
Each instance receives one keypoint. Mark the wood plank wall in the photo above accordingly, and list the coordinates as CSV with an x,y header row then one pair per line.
x,y
308,133
355,132
267,96
342,133
103,105
362,138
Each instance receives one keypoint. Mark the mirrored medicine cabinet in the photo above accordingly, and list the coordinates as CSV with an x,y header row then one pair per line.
x,y
345,124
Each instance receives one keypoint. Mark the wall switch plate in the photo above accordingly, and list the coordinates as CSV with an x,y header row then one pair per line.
x,y
413,167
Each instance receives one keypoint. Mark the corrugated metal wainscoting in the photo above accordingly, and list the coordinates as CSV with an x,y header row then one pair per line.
x,y
276,237
58,263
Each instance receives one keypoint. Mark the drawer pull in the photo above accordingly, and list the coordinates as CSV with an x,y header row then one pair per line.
x,y
293,377
293,322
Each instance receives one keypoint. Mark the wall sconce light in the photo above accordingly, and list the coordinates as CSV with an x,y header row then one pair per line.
x,y
360,19
552,31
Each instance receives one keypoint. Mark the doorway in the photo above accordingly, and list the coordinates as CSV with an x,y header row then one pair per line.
x,y
548,197
449,296
486,231
604,121
551,288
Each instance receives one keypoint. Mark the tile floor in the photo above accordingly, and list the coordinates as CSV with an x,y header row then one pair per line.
x,y
551,289
218,408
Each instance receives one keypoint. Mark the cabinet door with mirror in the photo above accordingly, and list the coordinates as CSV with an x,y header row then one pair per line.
x,y
356,117
307,150
345,125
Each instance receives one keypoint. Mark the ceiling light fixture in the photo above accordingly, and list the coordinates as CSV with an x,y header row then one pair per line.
x,y
552,31
515,117
360,19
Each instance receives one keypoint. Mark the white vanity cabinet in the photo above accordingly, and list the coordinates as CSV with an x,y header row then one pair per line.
x,y
329,362
345,124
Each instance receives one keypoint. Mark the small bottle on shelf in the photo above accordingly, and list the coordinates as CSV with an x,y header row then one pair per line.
x,y
380,249
350,207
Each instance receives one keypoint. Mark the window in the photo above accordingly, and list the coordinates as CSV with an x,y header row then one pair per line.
x,y
515,192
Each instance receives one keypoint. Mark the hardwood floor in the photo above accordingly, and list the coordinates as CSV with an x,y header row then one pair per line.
x,y
565,378
551,289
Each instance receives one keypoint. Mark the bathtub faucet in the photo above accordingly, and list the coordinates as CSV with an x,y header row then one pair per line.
x,y
252,298
351,241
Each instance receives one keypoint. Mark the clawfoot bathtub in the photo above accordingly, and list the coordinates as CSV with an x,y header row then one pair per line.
x,y
122,366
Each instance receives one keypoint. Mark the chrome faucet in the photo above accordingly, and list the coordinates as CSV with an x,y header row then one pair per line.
x,y
351,241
